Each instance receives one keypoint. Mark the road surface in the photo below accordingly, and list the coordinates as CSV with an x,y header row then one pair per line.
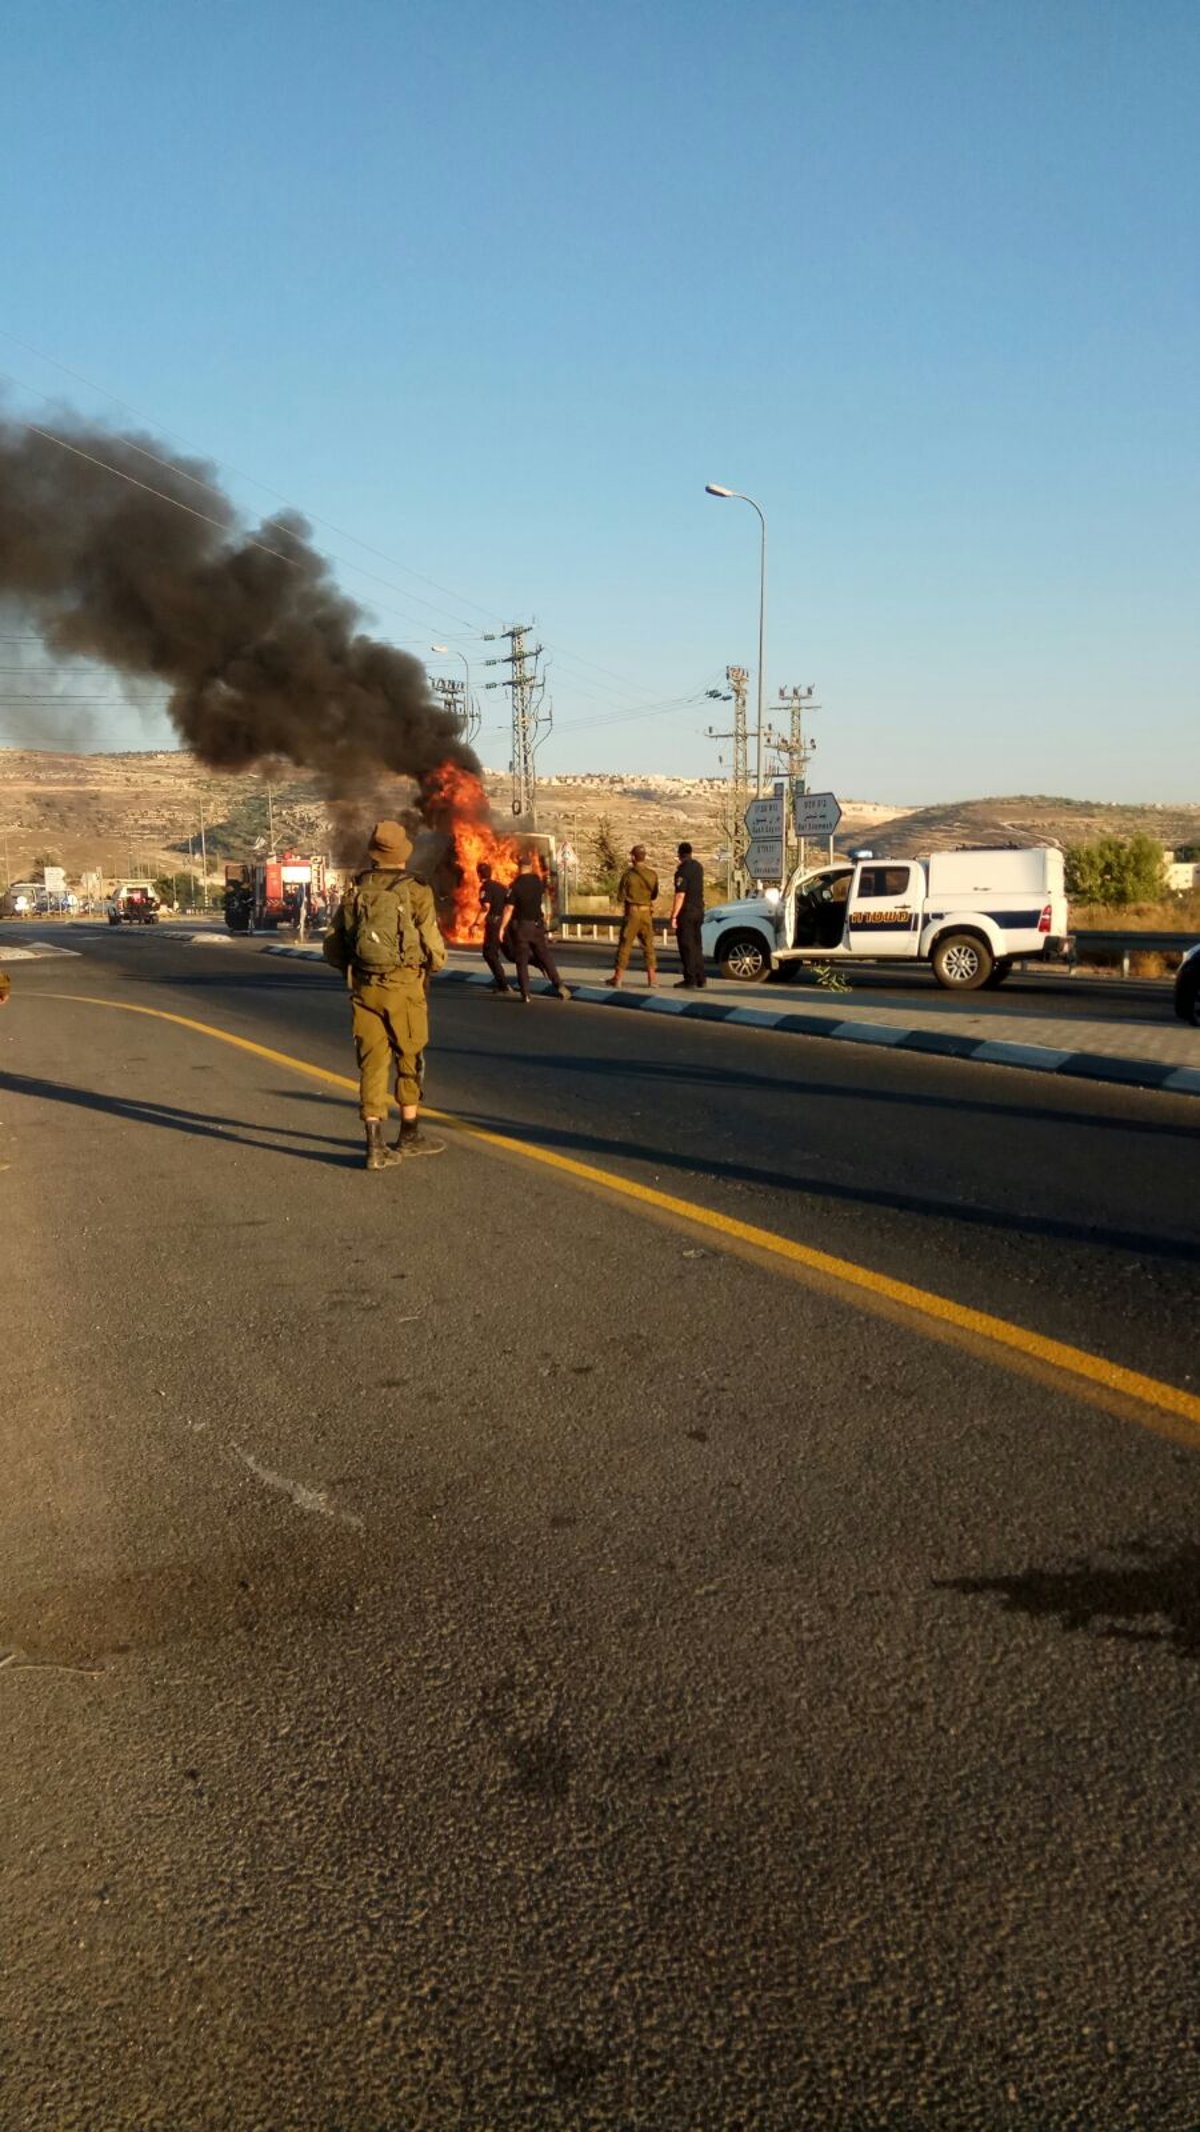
x,y
593,1630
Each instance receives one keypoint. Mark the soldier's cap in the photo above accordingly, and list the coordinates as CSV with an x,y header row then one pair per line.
x,y
390,844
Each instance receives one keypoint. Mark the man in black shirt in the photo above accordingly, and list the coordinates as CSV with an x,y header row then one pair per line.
x,y
531,942
687,916
492,900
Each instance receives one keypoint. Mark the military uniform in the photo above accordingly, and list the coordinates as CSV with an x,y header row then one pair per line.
x,y
5,986
389,1009
638,890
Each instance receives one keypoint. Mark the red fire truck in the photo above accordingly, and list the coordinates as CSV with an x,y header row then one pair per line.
x,y
262,894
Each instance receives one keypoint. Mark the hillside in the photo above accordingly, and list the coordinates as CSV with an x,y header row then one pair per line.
x,y
1028,819
139,813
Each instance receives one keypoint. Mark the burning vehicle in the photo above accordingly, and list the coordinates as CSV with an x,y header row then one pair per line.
x,y
459,835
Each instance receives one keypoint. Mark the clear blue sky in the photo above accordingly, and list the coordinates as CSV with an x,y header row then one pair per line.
x,y
496,289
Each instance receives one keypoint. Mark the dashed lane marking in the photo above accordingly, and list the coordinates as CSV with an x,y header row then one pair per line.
x,y
1095,1372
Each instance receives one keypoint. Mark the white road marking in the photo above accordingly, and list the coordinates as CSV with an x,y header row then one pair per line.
x,y
34,951
315,1500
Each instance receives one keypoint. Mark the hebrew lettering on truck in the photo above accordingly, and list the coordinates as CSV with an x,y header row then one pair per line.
x,y
972,915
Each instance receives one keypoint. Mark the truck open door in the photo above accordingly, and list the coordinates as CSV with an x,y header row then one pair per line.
x,y
884,914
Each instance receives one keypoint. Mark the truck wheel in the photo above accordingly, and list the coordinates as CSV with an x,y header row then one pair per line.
x,y
1001,970
743,957
962,962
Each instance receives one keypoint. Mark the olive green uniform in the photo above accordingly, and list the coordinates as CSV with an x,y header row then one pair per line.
x,y
637,889
389,1011
5,986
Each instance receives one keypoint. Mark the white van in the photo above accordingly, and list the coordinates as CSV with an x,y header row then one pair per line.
x,y
971,914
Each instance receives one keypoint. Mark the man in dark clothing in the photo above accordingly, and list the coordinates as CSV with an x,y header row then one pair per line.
x,y
687,917
531,942
492,900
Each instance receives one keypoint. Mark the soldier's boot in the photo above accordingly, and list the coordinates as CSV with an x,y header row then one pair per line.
x,y
652,977
615,980
414,1140
379,1155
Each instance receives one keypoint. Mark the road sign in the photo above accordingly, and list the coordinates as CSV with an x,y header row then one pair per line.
x,y
764,818
816,814
54,880
764,859
567,855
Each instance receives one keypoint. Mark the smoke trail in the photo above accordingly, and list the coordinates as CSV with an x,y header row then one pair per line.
x,y
263,656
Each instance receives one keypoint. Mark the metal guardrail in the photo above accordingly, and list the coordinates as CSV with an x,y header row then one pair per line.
x,y
593,925
1101,944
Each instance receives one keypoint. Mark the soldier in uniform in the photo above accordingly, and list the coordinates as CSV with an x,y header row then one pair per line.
x,y
385,939
5,986
687,917
638,891
492,900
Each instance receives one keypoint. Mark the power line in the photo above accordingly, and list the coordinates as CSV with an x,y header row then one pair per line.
x,y
462,599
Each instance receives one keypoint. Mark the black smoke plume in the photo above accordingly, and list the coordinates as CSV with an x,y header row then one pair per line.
x,y
264,658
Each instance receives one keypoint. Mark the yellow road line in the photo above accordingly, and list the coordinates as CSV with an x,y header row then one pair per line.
x,y
1092,1370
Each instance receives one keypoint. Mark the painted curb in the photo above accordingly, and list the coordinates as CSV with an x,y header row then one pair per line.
x,y
1155,1074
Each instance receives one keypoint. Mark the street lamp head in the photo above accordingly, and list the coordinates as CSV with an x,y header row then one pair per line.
x,y
713,488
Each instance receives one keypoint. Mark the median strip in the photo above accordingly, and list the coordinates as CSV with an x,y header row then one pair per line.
x,y
1162,1075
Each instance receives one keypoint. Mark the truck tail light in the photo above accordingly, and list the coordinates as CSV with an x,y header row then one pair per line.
x,y
1044,921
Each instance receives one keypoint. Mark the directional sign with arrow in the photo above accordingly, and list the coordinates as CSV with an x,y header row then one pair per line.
x,y
764,858
816,814
764,818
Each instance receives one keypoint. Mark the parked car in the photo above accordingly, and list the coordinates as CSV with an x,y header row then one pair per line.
x,y
1187,988
133,903
20,900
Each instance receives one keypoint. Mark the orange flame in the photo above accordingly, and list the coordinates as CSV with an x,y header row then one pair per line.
x,y
454,800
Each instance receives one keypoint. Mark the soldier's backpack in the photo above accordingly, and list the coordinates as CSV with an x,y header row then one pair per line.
x,y
380,931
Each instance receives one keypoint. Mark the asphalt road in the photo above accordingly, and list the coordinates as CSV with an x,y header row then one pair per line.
x,y
487,1651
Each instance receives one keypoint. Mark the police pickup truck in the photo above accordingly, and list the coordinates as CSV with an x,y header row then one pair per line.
x,y
971,914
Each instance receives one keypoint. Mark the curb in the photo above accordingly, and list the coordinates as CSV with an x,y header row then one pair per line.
x,y
934,1043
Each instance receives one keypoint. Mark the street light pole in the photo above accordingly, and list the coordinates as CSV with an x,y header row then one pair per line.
x,y
714,488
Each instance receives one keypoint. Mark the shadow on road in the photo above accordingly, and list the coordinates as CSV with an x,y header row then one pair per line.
x,y
204,1125
625,1071
1151,1596
821,1189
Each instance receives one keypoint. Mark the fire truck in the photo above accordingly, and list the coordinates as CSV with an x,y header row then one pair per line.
x,y
262,894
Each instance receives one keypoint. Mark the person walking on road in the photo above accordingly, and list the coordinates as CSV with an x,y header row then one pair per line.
x,y
493,898
531,941
638,891
687,917
386,941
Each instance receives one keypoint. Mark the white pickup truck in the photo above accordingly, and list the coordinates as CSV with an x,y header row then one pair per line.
x,y
971,914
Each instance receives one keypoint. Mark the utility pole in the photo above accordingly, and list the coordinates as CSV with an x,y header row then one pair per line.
x,y
739,791
453,695
203,849
792,750
531,718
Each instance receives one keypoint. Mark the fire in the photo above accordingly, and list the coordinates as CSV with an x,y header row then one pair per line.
x,y
454,800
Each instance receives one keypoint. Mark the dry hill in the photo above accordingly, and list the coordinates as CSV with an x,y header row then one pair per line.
x,y
140,813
